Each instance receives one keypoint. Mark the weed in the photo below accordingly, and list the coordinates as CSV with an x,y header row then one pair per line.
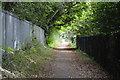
x,y
29,61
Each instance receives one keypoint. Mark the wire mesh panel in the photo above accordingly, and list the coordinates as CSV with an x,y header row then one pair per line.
x,y
17,26
36,32
15,33
1,38
31,30
9,31
41,35
24,32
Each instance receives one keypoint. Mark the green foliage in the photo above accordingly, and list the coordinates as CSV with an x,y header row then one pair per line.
x,y
42,14
90,59
28,62
8,50
32,38
53,39
85,56
73,18
72,44
89,18
99,18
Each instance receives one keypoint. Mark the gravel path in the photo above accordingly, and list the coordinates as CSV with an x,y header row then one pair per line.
x,y
68,64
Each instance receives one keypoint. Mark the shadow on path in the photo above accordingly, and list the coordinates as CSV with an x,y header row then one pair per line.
x,y
67,64
64,48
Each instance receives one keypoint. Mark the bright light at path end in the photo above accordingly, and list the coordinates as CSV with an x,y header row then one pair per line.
x,y
63,44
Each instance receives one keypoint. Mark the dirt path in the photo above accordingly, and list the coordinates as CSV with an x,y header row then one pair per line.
x,y
68,64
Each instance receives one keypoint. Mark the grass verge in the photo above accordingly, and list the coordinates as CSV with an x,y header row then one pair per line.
x,y
90,59
29,61
85,56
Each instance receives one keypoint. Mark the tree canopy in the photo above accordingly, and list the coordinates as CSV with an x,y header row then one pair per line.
x,y
70,18
83,18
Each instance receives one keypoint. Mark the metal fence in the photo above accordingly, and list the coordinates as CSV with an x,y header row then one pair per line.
x,y
105,49
14,32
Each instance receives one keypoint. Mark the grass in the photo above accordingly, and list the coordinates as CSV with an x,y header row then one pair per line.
x,y
88,58
85,56
29,61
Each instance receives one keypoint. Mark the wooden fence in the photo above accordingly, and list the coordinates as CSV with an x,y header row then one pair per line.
x,y
105,49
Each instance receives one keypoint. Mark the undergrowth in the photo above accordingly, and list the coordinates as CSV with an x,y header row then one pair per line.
x,y
88,58
29,61
85,56
56,43
72,44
